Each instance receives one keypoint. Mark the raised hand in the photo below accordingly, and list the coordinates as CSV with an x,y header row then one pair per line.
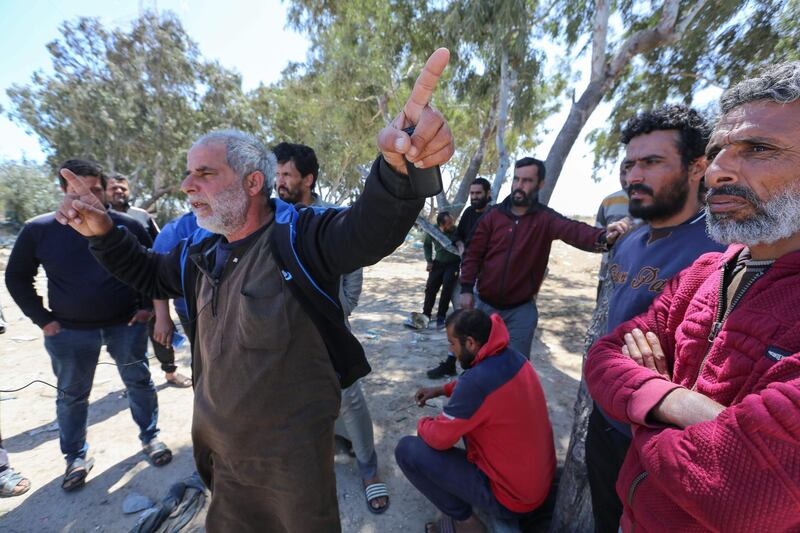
x,y
432,141
81,209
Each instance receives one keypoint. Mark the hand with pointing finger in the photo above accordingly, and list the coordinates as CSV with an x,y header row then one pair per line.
x,y
81,209
432,141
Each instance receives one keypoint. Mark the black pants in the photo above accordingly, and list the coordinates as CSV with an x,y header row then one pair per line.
x,y
164,354
442,275
605,452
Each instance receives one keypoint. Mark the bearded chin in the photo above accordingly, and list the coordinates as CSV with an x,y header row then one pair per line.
x,y
229,212
775,219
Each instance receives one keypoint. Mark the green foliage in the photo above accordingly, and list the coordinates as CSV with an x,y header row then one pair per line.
x,y
727,41
26,190
133,101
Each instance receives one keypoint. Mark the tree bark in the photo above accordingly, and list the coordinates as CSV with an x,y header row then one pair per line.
x,y
573,509
475,162
502,122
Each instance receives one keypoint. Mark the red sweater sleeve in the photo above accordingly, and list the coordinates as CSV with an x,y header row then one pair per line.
x,y
616,382
740,471
475,252
575,233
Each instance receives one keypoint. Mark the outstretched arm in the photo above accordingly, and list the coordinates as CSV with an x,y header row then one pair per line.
x,y
338,242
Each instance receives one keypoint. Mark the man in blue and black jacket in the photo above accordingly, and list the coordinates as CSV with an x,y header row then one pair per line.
x,y
270,346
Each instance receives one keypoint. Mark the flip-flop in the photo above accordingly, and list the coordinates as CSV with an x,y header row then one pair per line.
x,y
12,483
445,525
157,452
75,476
374,491
180,381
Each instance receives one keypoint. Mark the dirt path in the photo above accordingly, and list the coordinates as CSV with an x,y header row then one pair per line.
x,y
398,356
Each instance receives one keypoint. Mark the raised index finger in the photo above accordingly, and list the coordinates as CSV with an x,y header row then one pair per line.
x,y
77,183
426,83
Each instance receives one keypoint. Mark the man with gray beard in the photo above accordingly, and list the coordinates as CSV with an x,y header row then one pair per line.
x,y
270,349
709,375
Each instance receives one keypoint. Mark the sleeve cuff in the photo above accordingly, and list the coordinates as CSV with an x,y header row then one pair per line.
x,y
396,184
111,238
646,397
449,387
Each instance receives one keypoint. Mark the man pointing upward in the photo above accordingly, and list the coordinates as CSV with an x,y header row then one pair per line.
x,y
270,346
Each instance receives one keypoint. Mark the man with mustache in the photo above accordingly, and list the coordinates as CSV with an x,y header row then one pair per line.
x,y
709,376
270,348
509,250
497,407
480,195
663,167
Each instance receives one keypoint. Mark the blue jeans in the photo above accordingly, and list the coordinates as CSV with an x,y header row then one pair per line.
x,y
74,354
448,480
521,322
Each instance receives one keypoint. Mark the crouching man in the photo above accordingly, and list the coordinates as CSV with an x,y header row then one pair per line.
x,y
499,408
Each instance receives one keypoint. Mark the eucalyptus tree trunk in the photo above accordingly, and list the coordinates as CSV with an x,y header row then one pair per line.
x,y
504,96
475,162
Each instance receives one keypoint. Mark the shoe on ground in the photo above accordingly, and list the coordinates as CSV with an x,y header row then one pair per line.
x,y
438,324
445,368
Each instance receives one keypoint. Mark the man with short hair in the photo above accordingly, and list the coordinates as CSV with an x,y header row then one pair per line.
x,y
88,308
664,165
480,195
271,348
509,250
709,375
498,407
442,266
295,180
118,193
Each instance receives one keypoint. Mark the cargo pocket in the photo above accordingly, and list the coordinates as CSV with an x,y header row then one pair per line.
x,y
263,321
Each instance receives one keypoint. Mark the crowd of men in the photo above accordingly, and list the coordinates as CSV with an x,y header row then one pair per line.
x,y
696,382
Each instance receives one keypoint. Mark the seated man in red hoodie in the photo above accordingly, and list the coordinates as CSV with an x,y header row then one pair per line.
x,y
499,409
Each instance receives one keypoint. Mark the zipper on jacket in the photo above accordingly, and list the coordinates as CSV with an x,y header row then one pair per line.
x,y
638,479
716,327
508,260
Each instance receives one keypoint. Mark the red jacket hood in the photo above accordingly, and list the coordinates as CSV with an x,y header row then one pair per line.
x,y
498,340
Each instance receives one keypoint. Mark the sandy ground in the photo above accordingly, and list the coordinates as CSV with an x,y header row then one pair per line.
x,y
399,358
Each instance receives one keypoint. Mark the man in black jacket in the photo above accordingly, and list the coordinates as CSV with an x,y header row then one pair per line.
x,y
269,337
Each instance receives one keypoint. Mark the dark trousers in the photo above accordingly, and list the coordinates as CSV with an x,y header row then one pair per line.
x,y
442,275
164,354
605,452
448,480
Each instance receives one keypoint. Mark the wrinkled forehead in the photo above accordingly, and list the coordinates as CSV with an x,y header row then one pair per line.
x,y
759,119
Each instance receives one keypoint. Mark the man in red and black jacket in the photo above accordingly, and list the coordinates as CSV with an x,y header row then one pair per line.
x,y
509,250
499,409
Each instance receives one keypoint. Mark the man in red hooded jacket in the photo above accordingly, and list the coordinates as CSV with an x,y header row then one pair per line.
x,y
499,409
709,376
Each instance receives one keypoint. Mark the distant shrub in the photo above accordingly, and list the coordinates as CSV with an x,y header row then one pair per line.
x,y
26,190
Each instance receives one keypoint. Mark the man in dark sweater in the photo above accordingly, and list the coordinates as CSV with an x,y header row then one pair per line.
x,y
88,308
664,166
509,250
480,194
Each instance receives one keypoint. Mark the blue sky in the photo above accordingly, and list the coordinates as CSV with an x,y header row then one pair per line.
x,y
247,36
